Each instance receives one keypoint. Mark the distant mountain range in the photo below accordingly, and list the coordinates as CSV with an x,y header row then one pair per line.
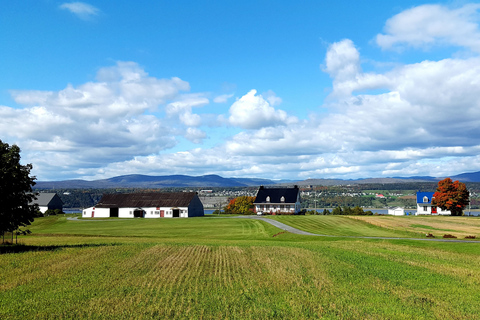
x,y
184,181
154,182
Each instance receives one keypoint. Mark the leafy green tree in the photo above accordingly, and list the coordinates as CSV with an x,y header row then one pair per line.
x,y
240,205
337,211
358,211
452,196
16,192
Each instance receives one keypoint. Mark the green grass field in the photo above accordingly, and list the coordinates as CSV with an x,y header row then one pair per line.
x,y
227,268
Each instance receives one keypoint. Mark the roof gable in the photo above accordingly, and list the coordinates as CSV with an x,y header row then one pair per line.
x,y
421,195
44,199
143,199
274,195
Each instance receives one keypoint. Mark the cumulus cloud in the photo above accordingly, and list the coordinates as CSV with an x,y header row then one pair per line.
x,y
432,25
81,9
97,122
252,111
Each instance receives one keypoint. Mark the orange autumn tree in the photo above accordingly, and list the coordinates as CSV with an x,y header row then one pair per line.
x,y
240,205
452,196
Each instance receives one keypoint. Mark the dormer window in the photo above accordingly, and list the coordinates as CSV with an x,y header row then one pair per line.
x,y
268,198
282,199
425,199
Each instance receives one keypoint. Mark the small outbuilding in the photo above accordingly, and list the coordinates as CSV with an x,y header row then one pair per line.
x,y
396,211
48,201
147,205
277,200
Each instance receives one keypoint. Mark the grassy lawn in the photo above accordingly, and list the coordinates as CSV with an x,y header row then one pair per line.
x,y
217,268
385,226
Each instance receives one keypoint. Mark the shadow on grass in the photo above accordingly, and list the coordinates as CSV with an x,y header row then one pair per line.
x,y
19,248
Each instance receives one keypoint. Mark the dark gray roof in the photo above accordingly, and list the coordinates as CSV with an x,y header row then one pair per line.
x,y
44,199
150,199
290,195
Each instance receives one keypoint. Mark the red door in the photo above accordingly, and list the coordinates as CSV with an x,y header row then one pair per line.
x,y
434,209
162,213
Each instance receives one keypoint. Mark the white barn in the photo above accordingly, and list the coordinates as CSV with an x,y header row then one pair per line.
x,y
48,201
147,205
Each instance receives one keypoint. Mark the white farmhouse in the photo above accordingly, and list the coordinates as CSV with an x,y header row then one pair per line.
x,y
424,205
275,200
147,205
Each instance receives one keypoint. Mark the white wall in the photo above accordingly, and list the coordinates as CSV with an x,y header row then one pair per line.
x,y
422,206
396,212
150,212
93,212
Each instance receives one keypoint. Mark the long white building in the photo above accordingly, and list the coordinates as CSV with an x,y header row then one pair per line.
x,y
147,205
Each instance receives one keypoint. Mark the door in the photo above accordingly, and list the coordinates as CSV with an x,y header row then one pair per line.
x,y
138,213
176,213
114,212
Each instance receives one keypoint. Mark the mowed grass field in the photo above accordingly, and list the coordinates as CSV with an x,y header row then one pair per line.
x,y
386,226
231,268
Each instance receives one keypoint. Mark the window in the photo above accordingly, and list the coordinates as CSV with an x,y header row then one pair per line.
x,y
157,212
268,199
425,199
424,208
282,199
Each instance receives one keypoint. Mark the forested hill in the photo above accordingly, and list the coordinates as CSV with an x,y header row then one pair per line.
x,y
211,181
144,181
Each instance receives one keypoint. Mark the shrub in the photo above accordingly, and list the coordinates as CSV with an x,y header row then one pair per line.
x,y
59,211
449,236
470,237
429,235
50,212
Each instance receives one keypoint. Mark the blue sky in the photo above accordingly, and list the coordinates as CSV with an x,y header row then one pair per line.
x,y
268,89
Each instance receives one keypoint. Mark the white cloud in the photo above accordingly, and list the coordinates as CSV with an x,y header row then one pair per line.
x,y
182,109
222,98
272,98
432,25
195,135
81,9
97,122
252,111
